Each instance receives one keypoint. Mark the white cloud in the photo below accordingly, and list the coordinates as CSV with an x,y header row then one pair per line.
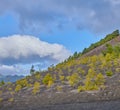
x,y
28,49
12,70
96,15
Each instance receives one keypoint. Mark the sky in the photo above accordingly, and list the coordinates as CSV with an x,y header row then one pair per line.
x,y
45,32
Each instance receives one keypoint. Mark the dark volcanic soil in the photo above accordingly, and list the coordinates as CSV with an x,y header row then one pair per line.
x,y
103,99
108,99
104,105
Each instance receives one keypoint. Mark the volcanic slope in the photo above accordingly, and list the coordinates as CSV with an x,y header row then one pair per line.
x,y
88,78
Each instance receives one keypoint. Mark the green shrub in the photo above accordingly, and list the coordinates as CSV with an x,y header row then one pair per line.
x,y
18,88
1,99
100,80
2,83
22,82
109,73
74,79
36,87
81,88
59,88
48,80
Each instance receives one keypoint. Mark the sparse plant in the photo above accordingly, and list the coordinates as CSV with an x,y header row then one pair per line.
x,y
18,88
1,92
11,100
1,99
10,89
81,88
38,76
62,78
12,93
48,80
100,80
2,83
109,73
22,82
117,69
59,88
74,79
36,88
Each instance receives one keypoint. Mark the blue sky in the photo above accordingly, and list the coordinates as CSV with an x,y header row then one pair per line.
x,y
45,32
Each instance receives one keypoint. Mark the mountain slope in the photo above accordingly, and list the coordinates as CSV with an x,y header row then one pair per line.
x,y
99,49
82,78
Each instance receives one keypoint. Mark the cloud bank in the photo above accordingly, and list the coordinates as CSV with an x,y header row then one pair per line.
x,y
19,49
41,14
13,70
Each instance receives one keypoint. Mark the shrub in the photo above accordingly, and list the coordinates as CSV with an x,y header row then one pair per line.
x,y
81,88
22,83
48,80
37,76
59,88
1,92
90,80
117,69
10,89
74,79
50,83
62,78
2,83
18,88
100,80
81,71
36,88
109,73
12,92
11,100
1,99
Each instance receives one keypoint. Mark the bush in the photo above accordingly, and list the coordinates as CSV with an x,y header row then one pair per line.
x,y
48,80
18,88
2,83
22,83
81,88
1,92
62,78
36,87
59,88
109,73
11,100
1,99
100,80
37,76
89,84
74,79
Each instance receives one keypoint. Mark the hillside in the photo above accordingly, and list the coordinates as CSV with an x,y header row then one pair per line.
x,y
99,49
91,76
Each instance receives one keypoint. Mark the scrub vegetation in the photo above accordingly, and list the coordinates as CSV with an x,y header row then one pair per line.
x,y
78,72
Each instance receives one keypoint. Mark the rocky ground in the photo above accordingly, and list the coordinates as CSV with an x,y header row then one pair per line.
x,y
107,99
67,99
104,105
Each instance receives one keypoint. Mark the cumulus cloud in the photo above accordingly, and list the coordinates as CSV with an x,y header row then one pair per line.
x,y
13,70
39,14
25,49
